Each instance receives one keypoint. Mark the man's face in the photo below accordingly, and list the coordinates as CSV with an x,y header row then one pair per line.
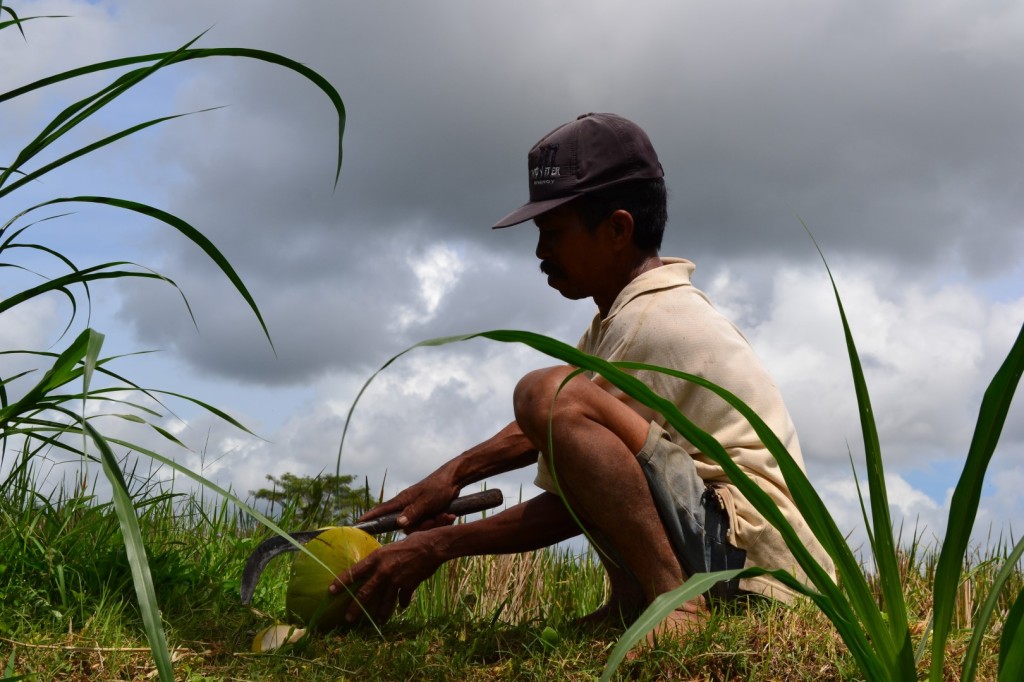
x,y
574,258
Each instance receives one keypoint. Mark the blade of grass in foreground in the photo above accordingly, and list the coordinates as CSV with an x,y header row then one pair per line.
x,y
986,613
695,586
1011,645
86,350
136,549
660,608
194,235
200,53
966,496
896,648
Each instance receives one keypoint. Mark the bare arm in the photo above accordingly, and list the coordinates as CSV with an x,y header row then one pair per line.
x,y
393,572
424,502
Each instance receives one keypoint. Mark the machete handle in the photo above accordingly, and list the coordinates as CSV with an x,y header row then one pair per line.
x,y
271,547
460,506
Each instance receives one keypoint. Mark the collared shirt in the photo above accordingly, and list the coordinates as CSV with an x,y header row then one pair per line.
x,y
661,319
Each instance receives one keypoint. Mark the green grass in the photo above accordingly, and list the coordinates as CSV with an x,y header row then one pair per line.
x,y
69,611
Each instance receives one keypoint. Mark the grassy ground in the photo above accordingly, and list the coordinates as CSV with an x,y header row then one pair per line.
x,y
68,610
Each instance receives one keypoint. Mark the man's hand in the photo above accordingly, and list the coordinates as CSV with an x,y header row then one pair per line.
x,y
387,577
422,506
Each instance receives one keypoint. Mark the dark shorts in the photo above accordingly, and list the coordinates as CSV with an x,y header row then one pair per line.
x,y
691,511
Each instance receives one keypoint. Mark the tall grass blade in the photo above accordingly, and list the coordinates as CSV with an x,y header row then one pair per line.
x,y
201,53
987,612
29,177
16,21
85,350
659,609
62,371
1011,644
966,496
894,644
81,110
142,579
197,238
60,284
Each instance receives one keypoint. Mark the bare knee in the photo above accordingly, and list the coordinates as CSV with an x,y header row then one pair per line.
x,y
534,398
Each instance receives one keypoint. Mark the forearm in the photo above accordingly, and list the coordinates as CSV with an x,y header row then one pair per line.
x,y
506,450
539,522
422,504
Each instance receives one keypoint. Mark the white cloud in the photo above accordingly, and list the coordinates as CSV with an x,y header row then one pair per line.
x,y
927,352
437,271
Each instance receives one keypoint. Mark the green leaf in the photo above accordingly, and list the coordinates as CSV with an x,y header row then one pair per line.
x,y
43,170
142,578
1011,644
195,53
16,21
194,235
64,369
892,641
96,272
986,613
661,607
967,495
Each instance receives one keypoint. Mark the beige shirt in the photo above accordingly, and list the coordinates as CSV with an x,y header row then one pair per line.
x,y
661,319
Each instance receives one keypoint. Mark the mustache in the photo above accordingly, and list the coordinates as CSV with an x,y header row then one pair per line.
x,y
549,268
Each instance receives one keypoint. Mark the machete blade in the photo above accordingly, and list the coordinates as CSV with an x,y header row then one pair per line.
x,y
262,555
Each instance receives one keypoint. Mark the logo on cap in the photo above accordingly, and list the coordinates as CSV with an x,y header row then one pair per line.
x,y
545,170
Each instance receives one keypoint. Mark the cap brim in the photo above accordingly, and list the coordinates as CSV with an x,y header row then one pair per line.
x,y
530,211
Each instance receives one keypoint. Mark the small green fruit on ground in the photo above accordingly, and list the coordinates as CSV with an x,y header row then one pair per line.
x,y
549,636
307,595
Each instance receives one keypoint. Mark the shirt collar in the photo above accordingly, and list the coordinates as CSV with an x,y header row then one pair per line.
x,y
674,272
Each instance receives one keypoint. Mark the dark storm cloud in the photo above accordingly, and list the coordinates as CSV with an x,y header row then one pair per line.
x,y
892,131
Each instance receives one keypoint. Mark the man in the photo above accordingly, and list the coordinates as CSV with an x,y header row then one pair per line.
x,y
658,509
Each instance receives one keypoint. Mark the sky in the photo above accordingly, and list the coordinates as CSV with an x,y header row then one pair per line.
x,y
891,129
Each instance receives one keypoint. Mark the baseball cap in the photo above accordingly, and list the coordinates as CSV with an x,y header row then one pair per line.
x,y
593,152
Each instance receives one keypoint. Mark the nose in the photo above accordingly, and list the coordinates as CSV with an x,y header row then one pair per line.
x,y
542,251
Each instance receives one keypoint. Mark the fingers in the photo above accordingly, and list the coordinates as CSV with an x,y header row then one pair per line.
x,y
347,580
404,597
375,598
427,524
410,515
404,502
386,579
391,506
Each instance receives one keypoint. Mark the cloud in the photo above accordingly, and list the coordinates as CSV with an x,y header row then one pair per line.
x,y
868,130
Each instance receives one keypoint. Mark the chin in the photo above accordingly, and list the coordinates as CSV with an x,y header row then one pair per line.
x,y
567,293
563,286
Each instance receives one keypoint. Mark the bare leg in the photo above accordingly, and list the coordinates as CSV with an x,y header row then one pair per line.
x,y
594,441
625,603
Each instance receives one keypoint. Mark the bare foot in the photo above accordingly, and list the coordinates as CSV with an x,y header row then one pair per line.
x,y
685,619
615,613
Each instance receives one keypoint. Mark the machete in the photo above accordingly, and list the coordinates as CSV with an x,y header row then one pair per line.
x,y
271,547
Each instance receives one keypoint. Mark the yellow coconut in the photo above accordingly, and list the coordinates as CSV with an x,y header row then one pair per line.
x,y
307,597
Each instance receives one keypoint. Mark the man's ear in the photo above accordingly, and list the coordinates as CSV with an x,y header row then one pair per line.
x,y
620,227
